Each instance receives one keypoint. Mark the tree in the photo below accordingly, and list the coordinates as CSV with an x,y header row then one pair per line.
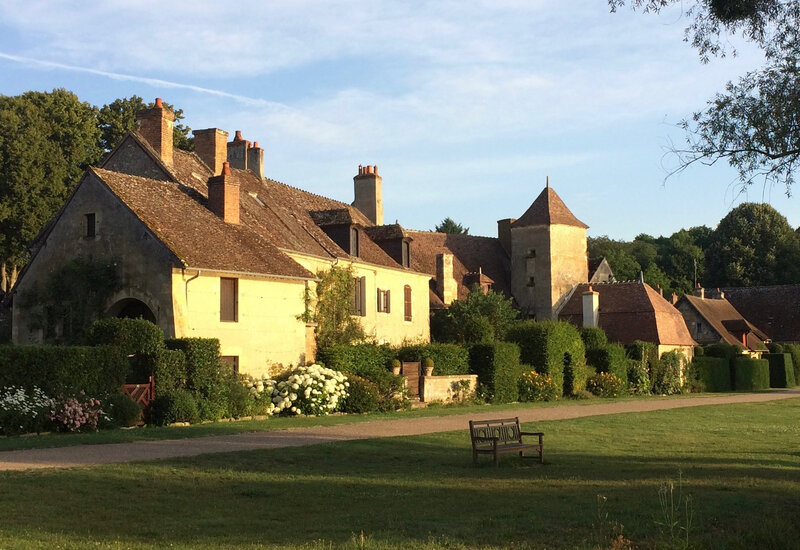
x,y
622,262
753,245
333,309
752,124
451,227
481,318
119,117
47,139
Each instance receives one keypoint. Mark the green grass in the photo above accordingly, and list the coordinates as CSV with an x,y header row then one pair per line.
x,y
277,423
740,464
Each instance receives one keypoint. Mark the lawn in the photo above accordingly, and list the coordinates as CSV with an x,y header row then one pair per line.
x,y
739,463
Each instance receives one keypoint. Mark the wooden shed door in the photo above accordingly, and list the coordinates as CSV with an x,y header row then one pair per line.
x,y
411,372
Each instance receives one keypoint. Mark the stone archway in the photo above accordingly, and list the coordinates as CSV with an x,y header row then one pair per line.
x,y
131,308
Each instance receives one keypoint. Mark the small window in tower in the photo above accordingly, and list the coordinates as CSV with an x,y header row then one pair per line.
x,y
532,281
91,225
532,253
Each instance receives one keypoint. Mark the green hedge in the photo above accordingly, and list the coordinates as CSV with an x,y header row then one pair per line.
x,y
548,346
646,355
726,351
64,370
133,336
713,372
794,351
206,376
499,370
781,370
611,359
750,374
447,358
169,370
593,338
666,374
364,360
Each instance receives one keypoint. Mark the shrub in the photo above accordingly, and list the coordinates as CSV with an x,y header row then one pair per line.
x,y
610,358
781,370
575,378
699,351
775,348
593,338
725,351
240,399
605,384
713,372
666,374
77,413
498,368
63,370
537,387
175,406
133,336
122,410
206,376
24,411
638,377
750,374
548,346
312,390
794,351
365,360
448,358
363,396
169,370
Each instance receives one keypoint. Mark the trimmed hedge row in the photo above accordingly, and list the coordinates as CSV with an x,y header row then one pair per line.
x,y
447,358
611,358
499,370
781,370
64,370
794,351
364,360
714,373
206,377
133,336
750,374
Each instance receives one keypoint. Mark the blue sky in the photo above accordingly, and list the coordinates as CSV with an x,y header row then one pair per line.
x,y
465,107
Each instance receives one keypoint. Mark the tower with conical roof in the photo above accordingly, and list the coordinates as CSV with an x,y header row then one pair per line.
x,y
548,254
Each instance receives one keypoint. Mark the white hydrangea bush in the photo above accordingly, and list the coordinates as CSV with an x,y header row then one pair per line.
x,y
24,412
310,390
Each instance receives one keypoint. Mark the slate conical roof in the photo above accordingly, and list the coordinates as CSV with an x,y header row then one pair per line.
x,y
548,209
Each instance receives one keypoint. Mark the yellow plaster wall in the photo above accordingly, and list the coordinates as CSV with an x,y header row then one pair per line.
x,y
267,330
389,327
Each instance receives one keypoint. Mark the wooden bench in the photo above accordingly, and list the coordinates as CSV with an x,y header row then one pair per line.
x,y
501,436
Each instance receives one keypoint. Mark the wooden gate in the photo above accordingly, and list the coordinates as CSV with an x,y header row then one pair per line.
x,y
411,372
143,394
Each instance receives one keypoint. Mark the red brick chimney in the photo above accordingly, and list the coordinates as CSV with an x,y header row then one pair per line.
x,y
155,126
223,196
237,151
211,146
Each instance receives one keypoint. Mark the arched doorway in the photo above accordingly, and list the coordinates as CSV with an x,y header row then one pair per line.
x,y
131,308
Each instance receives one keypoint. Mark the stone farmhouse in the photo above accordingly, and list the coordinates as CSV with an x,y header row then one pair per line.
x,y
206,246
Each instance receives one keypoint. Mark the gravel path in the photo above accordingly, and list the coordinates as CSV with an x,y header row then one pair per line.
x,y
90,455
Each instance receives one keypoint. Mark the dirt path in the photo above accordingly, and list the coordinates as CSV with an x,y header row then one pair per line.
x,y
89,455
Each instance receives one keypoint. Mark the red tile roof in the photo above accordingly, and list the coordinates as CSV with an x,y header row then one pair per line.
x,y
774,309
631,311
726,321
548,209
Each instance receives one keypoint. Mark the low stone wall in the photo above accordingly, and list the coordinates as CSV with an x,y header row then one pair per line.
x,y
448,388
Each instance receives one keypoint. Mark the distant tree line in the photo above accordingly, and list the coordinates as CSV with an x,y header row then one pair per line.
x,y
753,245
47,139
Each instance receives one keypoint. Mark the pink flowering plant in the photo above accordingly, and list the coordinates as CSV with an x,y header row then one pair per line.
x,y
78,413
24,411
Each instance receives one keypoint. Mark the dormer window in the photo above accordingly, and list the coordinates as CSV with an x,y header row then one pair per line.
x,y
406,254
91,225
354,242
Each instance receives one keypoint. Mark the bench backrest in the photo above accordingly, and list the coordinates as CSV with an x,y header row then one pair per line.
x,y
505,429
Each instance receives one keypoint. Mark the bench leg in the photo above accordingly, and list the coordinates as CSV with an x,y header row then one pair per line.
x,y
496,463
474,456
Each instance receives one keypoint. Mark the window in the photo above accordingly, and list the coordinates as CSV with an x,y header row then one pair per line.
x,y
407,303
354,250
384,301
228,299
698,328
359,296
531,281
532,253
406,252
232,361
91,225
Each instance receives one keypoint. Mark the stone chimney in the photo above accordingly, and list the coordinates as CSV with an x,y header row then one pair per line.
x,y
255,160
223,196
155,126
591,307
700,291
674,299
504,233
446,285
368,193
237,151
211,146
720,294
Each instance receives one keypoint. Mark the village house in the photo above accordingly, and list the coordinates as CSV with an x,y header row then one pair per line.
x,y
774,309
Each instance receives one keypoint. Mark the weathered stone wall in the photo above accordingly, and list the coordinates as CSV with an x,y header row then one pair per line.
x,y
703,334
143,263
129,158
447,388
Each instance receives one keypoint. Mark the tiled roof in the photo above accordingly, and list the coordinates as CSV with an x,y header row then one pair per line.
x,y
470,254
725,320
386,232
335,216
774,309
548,209
179,217
631,311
